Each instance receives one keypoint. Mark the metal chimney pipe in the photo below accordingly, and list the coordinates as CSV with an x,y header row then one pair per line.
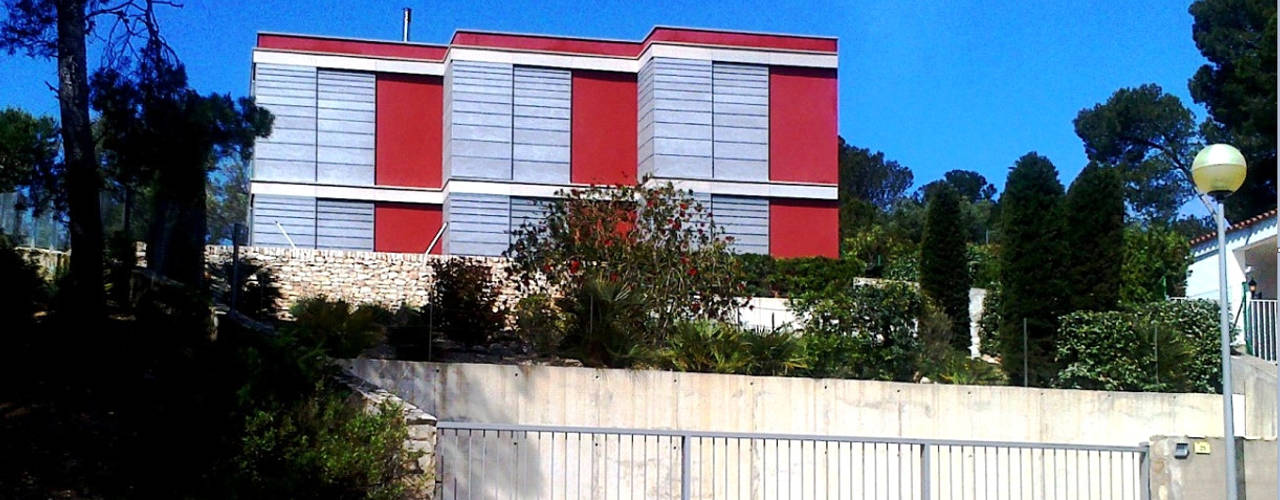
x,y
408,17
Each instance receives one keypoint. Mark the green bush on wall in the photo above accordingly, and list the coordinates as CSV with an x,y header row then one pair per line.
x,y
1168,346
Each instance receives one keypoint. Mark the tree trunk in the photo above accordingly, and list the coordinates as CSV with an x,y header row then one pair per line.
x,y
175,242
83,211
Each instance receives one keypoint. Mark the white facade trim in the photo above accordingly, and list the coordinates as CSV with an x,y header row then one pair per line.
x,y
757,189
355,63
738,55
436,196
361,193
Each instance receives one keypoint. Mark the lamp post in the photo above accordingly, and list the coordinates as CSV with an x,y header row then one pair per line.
x,y
1218,171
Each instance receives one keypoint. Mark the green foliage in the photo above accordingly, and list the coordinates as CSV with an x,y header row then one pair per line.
x,y
155,130
708,346
465,298
1168,346
883,254
606,324
777,353
1094,233
1238,88
659,240
865,331
333,328
29,159
539,323
869,177
944,265
323,447
984,265
989,325
1032,268
1155,264
227,194
814,274
1150,136
956,367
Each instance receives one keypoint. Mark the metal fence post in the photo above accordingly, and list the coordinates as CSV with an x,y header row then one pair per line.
x,y
1144,472
926,488
686,466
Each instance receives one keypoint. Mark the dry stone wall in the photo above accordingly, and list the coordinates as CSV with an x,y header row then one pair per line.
x,y
388,279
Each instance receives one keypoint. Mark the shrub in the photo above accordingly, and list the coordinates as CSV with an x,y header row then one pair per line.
x,y
984,265
935,334
944,262
24,290
869,328
258,293
758,272
540,324
814,274
323,447
1159,346
1155,264
465,298
659,240
989,324
708,346
334,328
956,367
776,353
606,324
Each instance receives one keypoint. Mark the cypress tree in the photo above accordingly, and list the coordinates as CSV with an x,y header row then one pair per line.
x,y
1032,269
1094,235
944,263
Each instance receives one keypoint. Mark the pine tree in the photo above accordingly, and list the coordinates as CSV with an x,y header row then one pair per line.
x,y
944,266
1094,235
1032,269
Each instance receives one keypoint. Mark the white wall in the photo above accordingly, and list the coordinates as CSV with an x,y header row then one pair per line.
x,y
545,395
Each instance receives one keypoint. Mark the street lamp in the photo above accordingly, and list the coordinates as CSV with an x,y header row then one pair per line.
x,y
1218,171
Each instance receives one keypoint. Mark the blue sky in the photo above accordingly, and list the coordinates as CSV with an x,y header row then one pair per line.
x,y
936,85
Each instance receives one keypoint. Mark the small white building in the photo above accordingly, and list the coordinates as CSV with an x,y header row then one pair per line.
x,y
1251,256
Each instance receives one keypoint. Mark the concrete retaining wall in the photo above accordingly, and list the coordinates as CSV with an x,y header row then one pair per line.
x,y
545,395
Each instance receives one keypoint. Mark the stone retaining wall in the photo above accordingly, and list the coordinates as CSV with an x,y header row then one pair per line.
x,y
387,279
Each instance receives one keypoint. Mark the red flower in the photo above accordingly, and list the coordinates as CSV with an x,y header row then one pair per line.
x,y
693,271
574,265
684,206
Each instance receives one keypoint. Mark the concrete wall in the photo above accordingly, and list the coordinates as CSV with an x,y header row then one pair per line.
x,y
1203,474
544,395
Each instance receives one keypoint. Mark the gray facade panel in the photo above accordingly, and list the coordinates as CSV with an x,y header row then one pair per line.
x,y
674,113
528,212
746,219
296,215
345,114
479,224
540,148
478,120
741,122
345,225
289,153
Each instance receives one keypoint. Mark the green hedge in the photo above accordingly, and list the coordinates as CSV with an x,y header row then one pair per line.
x,y
767,277
1168,346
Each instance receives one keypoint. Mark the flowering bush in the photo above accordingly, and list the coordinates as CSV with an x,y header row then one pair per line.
x,y
658,241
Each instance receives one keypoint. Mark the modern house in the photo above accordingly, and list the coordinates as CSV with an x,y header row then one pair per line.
x,y
409,147
1251,263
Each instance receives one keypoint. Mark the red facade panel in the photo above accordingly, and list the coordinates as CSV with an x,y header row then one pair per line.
x,y
405,227
546,43
754,40
804,228
354,47
409,134
802,125
604,128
